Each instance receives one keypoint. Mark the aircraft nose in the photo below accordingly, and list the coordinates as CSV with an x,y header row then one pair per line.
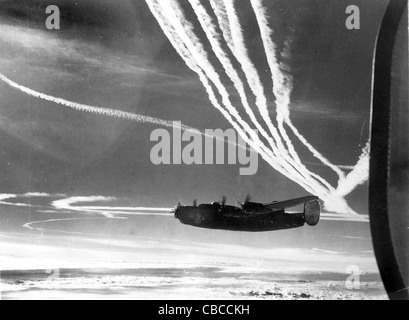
x,y
176,212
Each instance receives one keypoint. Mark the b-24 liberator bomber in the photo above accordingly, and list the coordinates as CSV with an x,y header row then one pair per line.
x,y
250,216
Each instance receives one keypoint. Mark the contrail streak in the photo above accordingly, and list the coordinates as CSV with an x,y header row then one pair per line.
x,y
282,159
282,90
181,47
281,155
209,28
145,119
275,146
175,37
174,14
109,112
282,87
213,36
234,39
282,82
30,224
359,175
91,109
240,50
186,55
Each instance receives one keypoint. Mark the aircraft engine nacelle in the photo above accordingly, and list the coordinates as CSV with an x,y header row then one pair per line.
x,y
312,212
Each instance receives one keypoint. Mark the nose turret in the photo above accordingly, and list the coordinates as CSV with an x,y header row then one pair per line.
x,y
176,211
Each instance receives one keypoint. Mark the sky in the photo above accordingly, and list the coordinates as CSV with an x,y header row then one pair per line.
x,y
114,54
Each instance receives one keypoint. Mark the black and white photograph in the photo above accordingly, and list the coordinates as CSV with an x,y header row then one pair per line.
x,y
204,150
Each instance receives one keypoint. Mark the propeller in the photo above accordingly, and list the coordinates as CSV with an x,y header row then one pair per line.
x,y
195,203
224,200
247,200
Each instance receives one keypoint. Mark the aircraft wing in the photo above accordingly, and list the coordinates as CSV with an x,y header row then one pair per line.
x,y
290,203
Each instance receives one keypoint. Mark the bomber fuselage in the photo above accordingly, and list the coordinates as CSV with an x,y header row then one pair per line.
x,y
215,216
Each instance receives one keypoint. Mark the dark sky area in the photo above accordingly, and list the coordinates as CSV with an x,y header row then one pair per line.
x,y
114,54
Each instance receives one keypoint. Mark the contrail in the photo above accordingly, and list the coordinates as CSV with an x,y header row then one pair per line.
x,y
69,204
174,14
281,155
282,87
209,28
183,46
139,118
254,141
212,34
240,50
110,112
282,90
282,82
30,224
230,25
359,175
91,109
174,36
186,55
279,152
282,158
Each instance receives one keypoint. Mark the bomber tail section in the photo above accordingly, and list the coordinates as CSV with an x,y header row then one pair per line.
x,y
312,212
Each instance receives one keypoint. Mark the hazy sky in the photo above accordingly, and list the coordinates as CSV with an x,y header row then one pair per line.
x,y
114,54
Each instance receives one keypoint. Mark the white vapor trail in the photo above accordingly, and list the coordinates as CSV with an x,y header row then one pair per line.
x,y
69,204
228,19
110,112
90,109
226,32
282,87
209,28
76,204
282,90
31,224
230,25
256,85
185,31
165,15
359,174
225,13
170,32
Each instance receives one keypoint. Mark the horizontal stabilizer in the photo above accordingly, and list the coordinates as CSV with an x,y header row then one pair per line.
x,y
290,203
